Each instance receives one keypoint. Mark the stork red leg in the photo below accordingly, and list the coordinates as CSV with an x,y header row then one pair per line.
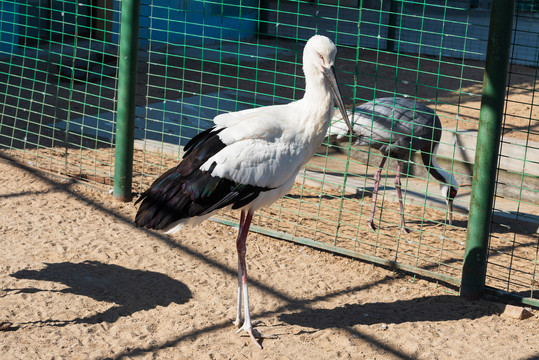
x,y
399,194
377,178
247,326
239,318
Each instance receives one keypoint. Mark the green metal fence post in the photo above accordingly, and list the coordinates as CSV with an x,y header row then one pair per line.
x,y
486,156
125,120
395,9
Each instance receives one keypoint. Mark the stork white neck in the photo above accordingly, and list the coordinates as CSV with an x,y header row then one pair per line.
x,y
317,103
321,89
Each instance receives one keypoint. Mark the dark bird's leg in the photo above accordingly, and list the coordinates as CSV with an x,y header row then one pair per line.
x,y
377,178
399,194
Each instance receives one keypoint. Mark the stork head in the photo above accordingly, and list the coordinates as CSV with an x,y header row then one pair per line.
x,y
449,190
319,63
319,53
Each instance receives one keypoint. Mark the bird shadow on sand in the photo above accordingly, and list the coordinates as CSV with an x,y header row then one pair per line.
x,y
129,291
430,308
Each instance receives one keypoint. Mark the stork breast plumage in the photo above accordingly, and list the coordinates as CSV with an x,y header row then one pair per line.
x,y
262,147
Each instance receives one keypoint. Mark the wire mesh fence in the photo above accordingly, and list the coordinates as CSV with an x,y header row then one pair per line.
x,y
513,248
58,81
58,71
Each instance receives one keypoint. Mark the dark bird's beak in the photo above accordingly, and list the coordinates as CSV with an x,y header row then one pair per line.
x,y
331,81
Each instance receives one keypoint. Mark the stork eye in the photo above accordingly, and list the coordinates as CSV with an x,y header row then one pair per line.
x,y
322,58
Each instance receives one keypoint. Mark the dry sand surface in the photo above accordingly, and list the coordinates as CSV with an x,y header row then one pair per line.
x,y
79,281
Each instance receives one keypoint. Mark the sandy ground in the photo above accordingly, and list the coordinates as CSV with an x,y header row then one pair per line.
x,y
79,281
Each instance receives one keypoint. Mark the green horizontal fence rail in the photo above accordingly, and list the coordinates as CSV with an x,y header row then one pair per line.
x,y
61,111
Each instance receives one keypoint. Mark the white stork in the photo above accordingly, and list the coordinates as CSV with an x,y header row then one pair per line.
x,y
248,160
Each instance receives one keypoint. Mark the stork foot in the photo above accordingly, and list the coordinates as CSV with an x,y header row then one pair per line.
x,y
237,323
255,334
405,230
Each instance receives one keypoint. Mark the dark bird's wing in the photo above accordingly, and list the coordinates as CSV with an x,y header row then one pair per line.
x,y
396,126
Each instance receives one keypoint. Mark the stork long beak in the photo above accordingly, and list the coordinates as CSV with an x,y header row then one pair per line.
x,y
331,81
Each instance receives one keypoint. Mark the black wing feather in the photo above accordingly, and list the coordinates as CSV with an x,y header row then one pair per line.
x,y
186,191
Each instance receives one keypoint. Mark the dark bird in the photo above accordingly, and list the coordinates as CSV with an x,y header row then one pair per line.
x,y
248,160
398,127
